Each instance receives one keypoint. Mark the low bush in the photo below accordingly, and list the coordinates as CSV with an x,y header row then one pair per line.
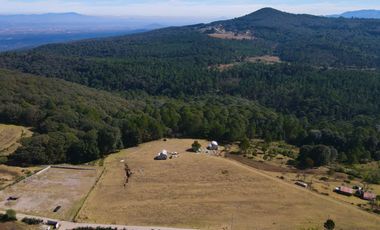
x,y
31,221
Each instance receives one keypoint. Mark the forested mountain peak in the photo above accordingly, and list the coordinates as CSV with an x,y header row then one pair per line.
x,y
266,12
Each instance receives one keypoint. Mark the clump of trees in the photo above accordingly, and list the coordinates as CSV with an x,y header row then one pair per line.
x,y
244,145
196,146
31,221
317,155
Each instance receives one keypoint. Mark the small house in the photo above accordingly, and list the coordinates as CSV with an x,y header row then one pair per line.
x,y
344,191
368,196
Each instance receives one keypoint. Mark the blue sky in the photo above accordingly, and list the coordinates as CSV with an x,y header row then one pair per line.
x,y
182,8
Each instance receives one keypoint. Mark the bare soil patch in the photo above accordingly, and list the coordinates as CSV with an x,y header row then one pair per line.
x,y
232,36
266,59
40,194
207,192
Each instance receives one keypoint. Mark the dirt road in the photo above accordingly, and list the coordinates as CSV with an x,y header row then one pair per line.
x,y
66,225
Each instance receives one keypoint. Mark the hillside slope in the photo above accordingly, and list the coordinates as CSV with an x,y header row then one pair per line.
x,y
312,39
322,93
73,123
307,39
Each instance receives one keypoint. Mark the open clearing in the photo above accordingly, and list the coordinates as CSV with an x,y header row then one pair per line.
x,y
10,136
207,192
266,59
41,194
232,36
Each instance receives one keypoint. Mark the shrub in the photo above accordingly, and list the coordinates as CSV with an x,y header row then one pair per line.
x,y
196,146
329,224
31,221
292,162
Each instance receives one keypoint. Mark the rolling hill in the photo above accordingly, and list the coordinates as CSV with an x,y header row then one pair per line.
x,y
323,91
320,41
73,123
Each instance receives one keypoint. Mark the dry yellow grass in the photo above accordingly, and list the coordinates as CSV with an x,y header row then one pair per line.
x,y
327,187
10,136
17,226
9,174
208,192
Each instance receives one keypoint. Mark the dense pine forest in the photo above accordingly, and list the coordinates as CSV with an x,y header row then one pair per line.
x,y
322,96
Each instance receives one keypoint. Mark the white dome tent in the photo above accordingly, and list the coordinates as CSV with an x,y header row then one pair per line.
x,y
213,146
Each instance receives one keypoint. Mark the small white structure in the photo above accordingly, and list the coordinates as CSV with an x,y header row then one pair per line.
x,y
213,146
302,184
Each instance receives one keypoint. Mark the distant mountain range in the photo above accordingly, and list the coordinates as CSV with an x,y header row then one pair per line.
x,y
360,14
26,31
74,21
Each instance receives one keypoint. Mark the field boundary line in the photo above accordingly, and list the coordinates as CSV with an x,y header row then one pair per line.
x,y
72,167
88,194
26,178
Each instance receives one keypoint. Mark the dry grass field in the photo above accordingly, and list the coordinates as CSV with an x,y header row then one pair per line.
x,y
17,226
10,136
206,192
10,174
326,186
40,194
